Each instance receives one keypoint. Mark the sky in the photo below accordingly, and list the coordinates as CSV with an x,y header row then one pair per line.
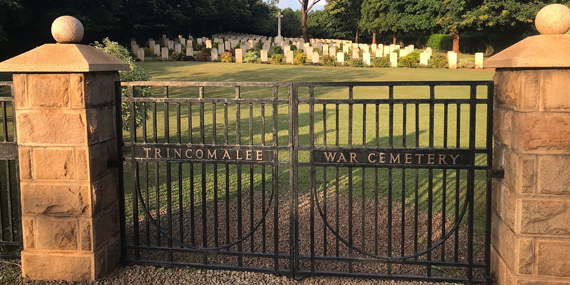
x,y
294,4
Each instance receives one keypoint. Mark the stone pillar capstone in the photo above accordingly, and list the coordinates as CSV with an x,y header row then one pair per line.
x,y
65,118
531,205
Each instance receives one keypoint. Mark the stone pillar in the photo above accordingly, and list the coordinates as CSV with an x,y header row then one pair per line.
x,y
65,117
531,205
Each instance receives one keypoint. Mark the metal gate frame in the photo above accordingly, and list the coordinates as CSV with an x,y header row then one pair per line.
x,y
294,147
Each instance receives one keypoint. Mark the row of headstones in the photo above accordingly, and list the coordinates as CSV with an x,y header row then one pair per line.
x,y
328,47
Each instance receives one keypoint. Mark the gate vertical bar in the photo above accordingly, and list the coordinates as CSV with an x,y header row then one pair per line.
x,y
488,208
293,157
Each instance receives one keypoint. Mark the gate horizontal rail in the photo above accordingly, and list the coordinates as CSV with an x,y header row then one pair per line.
x,y
367,179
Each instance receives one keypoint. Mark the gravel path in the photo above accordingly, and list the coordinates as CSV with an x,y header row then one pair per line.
x,y
10,274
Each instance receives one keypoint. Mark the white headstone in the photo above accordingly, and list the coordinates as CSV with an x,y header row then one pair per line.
x,y
355,53
183,41
228,45
379,52
170,44
393,59
151,43
452,60
315,58
387,50
189,51
263,55
428,51
286,49
366,48
424,59
157,49
214,54
309,54
178,48
332,51
164,53
140,54
373,48
366,58
239,55
479,60
325,49
199,40
289,57
345,48
340,58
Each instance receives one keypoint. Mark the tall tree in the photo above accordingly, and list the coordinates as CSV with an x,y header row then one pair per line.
x,y
345,15
305,8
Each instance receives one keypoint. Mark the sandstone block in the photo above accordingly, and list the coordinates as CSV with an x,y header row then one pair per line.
x,y
541,132
105,227
101,123
554,90
110,189
48,90
76,94
82,163
57,266
503,125
98,90
60,199
25,163
552,258
20,92
54,164
55,127
554,175
28,233
518,90
525,256
504,241
86,235
545,217
99,155
57,233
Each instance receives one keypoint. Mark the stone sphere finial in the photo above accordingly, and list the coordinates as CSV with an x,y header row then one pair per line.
x,y
553,19
67,29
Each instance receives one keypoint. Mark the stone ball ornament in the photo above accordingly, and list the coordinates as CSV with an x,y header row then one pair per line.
x,y
553,19
67,29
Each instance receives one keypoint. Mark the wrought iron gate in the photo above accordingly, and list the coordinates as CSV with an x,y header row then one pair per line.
x,y
10,216
363,179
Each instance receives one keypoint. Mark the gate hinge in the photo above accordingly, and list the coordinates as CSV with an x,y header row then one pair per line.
x,y
498,173
490,280
114,163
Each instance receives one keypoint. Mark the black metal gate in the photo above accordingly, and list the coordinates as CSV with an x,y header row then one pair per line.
x,y
10,216
363,179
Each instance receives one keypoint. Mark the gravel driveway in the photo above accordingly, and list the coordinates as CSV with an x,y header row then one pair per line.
x,y
140,275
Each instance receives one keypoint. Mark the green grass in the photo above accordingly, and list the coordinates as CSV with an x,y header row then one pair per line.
x,y
197,71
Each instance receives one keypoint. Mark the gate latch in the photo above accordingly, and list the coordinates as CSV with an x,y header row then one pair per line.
x,y
498,173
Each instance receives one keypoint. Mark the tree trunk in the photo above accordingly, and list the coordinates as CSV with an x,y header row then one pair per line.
x,y
304,26
356,39
373,38
456,42
395,38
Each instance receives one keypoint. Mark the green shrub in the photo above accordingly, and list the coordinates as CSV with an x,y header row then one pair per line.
x,y
329,60
198,46
317,50
226,57
135,73
441,42
148,52
293,47
237,46
355,63
250,56
437,61
215,45
381,62
204,56
300,59
276,59
275,50
258,46
177,56
410,60
466,62
297,52
207,50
